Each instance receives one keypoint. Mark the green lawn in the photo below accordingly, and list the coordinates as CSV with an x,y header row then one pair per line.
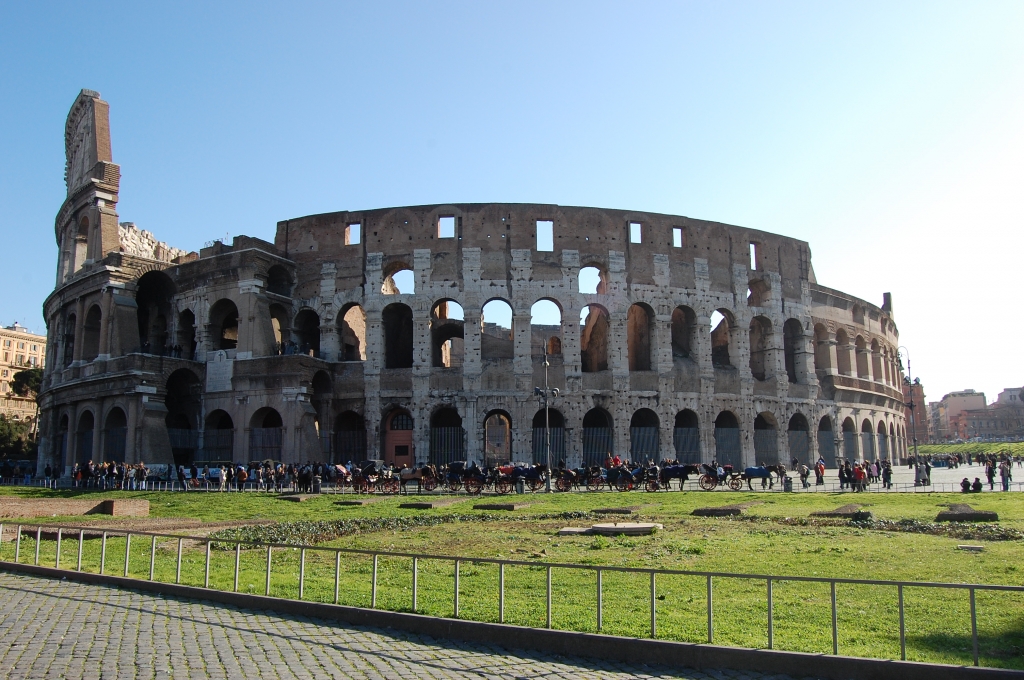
x,y
938,623
974,448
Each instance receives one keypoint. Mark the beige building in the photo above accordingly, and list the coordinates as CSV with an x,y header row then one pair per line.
x,y
19,350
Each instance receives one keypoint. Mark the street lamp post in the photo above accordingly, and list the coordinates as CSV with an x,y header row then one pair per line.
x,y
546,394
913,417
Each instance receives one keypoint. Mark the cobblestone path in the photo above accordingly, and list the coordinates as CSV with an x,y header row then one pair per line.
x,y
59,629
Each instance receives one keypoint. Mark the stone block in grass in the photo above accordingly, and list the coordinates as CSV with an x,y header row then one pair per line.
x,y
961,512
724,510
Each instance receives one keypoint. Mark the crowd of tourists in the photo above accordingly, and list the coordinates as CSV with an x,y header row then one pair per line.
x,y
116,476
265,476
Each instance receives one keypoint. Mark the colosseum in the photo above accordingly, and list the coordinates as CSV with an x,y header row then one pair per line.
x,y
419,333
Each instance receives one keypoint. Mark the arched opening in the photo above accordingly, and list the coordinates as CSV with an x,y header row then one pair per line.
x,y
280,327
306,332
83,437
876,362
592,280
858,315
728,447
447,334
760,341
350,439
799,436
186,338
545,328
686,437
496,331
594,339
850,452
793,349
400,281
867,436
61,458
721,338
597,437
826,442
224,325
81,244
556,422
353,333
115,436
398,330
91,333
219,438
684,332
862,357
398,447
153,296
69,339
883,442
822,350
497,439
265,435
644,436
279,281
639,336
766,440
183,402
887,366
843,352
323,393
447,438
757,293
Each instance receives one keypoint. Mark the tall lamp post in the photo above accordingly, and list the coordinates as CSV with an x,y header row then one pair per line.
x,y
902,350
546,394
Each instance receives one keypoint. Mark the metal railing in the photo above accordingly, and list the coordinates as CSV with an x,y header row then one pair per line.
x,y
38,533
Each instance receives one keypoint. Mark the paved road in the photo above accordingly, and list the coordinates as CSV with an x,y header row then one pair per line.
x,y
59,629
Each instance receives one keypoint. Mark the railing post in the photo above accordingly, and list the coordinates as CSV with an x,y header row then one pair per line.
x,y
103,552
56,562
177,568
711,629
238,557
127,551
974,626
270,549
337,575
771,619
456,599
415,582
549,598
835,624
599,602
373,587
903,627
1,534
152,558
81,542
39,539
17,545
302,572
654,627
206,572
501,593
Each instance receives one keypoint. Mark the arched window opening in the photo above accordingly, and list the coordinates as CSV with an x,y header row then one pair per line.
x,y
597,437
876,362
497,439
592,280
153,296
594,338
81,244
867,436
887,367
224,325
883,442
686,437
83,437
684,332
799,437
639,335
447,334
265,435
398,330
280,326
306,333
721,337
398,444
219,438
353,334
350,440
822,350
401,281
115,436
766,440
793,349
69,339
91,334
760,341
644,436
843,352
183,403
545,328
850,452
496,331
728,447
826,442
186,338
757,293
447,437
862,357
556,422
279,281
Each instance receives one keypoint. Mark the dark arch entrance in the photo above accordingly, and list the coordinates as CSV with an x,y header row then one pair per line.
x,y
799,437
644,436
728,447
497,439
182,402
597,437
265,435
115,436
398,448
826,442
766,440
686,437
83,437
350,437
557,425
447,437
219,438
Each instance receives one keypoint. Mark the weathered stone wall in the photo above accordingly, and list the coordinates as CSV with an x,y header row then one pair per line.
x,y
139,243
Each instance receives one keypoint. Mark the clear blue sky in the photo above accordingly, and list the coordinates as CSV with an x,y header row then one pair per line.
x,y
888,135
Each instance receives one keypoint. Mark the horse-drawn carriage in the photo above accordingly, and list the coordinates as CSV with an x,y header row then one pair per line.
x,y
725,475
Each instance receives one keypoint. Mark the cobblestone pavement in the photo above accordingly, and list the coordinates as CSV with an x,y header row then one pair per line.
x,y
59,629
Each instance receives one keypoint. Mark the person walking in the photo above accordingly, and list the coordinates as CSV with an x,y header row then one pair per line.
x,y
1005,475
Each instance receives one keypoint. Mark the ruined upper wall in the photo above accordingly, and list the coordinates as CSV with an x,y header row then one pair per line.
x,y
140,243
498,228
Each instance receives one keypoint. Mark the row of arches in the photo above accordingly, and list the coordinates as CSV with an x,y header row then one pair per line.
x,y
855,357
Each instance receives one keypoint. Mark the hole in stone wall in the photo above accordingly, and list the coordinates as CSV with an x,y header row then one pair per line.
x,y
545,328
677,237
639,332
446,227
593,280
496,331
545,235
353,233
634,233
720,339
400,282
594,338
447,333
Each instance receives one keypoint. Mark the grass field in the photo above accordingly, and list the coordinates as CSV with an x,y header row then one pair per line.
x,y
938,623
973,448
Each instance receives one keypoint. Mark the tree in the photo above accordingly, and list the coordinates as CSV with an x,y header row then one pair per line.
x,y
14,442
26,383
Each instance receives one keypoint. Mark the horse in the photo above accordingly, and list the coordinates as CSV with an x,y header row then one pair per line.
x,y
764,473
680,472
425,477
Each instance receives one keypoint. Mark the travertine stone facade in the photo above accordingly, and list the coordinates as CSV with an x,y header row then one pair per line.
x,y
312,347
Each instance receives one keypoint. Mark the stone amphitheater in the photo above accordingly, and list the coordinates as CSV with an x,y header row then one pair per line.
x,y
419,333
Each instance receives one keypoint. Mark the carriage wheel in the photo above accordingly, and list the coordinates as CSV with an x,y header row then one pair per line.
x,y
453,485
428,483
474,486
623,483
735,483
360,486
503,486
594,483
534,485
563,484
707,482
652,485
392,486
